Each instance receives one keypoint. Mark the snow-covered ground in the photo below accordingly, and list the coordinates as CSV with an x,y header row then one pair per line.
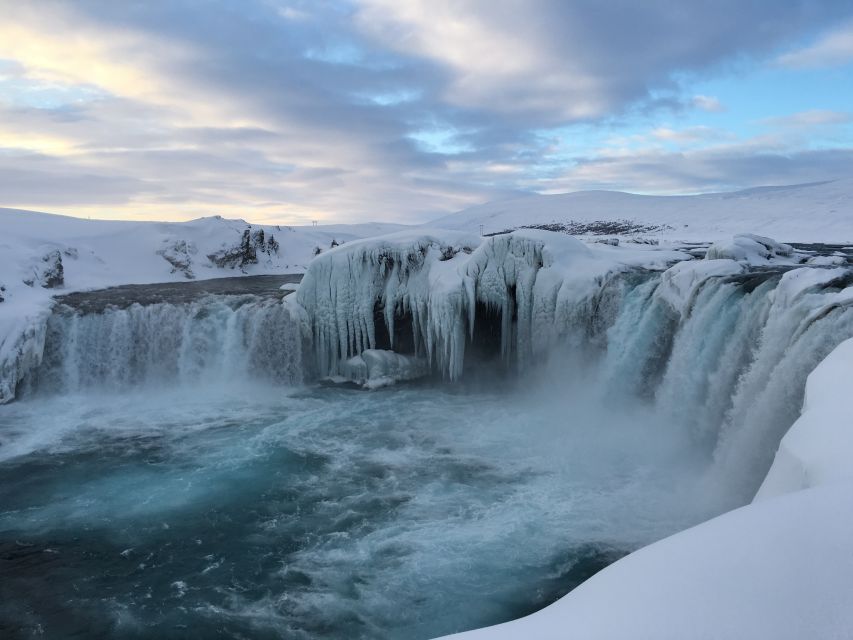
x,y
816,212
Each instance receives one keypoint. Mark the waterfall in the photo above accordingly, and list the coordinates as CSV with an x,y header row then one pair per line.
x,y
211,340
714,346
732,368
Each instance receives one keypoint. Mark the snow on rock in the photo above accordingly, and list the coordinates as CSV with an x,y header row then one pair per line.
x,y
436,280
775,570
797,282
47,272
179,254
818,448
375,368
749,248
682,281
826,261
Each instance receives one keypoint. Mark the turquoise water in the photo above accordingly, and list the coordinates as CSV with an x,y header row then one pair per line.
x,y
408,512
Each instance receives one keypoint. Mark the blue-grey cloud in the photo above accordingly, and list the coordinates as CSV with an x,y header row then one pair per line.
x,y
366,108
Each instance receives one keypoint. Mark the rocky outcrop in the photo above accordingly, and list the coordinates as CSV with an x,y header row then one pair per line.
x,y
49,272
179,254
246,252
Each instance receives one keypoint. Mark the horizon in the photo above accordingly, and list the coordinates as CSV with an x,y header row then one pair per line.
x,y
285,112
332,223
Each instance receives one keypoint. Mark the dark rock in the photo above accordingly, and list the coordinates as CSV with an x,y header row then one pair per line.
x,y
51,274
272,245
241,255
178,253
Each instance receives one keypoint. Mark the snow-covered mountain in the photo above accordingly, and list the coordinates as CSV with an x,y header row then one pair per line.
x,y
814,212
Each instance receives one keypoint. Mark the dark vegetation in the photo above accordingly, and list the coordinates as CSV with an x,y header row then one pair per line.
x,y
594,228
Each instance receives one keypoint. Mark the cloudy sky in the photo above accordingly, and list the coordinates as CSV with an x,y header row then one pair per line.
x,y
348,110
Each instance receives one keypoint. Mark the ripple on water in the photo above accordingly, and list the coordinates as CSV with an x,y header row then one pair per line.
x,y
325,513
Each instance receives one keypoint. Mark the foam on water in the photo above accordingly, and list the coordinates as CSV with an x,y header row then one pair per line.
x,y
404,513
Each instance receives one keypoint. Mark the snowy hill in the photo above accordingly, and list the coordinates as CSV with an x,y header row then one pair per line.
x,y
105,252
814,212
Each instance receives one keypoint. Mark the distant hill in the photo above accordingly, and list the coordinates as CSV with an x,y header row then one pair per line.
x,y
814,212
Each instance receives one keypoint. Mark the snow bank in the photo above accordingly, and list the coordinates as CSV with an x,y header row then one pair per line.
x,y
818,448
750,248
776,570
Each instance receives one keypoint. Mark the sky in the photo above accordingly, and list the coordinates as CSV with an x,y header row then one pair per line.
x,y
288,111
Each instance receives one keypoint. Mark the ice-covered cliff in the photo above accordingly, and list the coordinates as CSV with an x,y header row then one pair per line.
x,y
441,284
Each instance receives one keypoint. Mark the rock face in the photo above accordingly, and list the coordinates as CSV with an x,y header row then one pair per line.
x,y
49,273
246,252
179,254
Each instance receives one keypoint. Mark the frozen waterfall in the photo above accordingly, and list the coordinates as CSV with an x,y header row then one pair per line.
x,y
721,346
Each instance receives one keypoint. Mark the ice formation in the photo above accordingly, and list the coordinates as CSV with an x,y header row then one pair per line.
x,y
536,281
20,351
375,368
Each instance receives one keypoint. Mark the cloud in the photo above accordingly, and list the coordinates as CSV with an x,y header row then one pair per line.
x,y
759,161
708,103
810,119
834,48
563,61
288,111
690,134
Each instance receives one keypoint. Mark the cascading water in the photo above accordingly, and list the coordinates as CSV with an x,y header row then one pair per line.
x,y
196,506
212,340
731,370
